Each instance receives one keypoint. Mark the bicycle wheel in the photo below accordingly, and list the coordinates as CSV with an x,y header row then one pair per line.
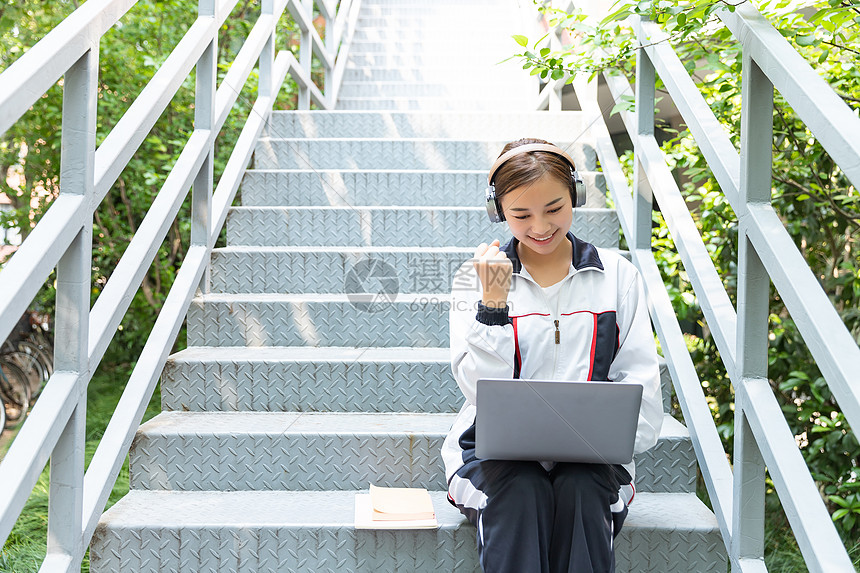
x,y
44,362
15,391
30,366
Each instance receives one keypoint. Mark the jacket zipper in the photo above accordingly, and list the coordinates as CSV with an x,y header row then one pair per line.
x,y
555,319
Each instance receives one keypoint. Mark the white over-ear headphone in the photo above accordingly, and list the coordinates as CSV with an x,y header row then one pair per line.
x,y
577,186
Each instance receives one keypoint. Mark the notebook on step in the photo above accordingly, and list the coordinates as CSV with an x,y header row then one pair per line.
x,y
560,421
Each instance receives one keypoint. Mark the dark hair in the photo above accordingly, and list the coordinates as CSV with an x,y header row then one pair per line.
x,y
527,168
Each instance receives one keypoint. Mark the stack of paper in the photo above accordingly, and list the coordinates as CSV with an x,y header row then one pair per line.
x,y
394,508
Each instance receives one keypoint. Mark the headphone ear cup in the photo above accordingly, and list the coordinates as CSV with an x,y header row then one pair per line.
x,y
494,210
577,189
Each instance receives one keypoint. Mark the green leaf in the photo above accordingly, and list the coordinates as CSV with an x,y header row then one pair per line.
x,y
521,40
805,40
557,74
541,39
682,19
544,52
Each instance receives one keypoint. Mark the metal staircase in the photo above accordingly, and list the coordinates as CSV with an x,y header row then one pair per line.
x,y
317,363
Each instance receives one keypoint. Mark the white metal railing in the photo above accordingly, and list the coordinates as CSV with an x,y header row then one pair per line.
x,y
55,429
766,253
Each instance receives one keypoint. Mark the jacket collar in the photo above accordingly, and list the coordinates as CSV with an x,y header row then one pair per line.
x,y
584,254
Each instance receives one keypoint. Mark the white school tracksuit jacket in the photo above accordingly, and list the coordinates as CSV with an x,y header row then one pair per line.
x,y
604,333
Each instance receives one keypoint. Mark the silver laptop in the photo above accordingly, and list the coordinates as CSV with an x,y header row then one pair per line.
x,y
560,421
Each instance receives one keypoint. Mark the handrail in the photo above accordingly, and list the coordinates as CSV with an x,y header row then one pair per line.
x,y
56,426
767,253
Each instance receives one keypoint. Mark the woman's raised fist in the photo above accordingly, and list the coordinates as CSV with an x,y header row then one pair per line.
x,y
494,270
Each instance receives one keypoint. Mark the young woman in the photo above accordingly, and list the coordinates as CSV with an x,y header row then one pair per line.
x,y
545,305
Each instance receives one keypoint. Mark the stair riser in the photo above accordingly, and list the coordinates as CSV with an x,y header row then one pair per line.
x,y
313,531
285,462
433,60
431,90
326,385
435,33
501,128
440,155
374,188
328,271
284,550
397,22
343,188
367,227
432,104
321,386
243,323
464,12
430,42
309,461
438,75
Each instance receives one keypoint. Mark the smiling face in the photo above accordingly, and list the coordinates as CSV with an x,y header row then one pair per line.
x,y
539,214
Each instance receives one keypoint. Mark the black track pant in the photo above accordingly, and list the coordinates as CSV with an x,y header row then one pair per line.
x,y
530,520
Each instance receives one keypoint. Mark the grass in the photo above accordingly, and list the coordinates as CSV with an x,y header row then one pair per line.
x,y
24,550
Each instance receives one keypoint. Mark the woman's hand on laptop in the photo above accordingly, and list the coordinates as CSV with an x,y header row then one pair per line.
x,y
494,271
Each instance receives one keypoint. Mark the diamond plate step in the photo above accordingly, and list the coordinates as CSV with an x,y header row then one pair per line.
x,y
431,60
233,451
438,154
501,128
476,103
427,74
229,451
448,90
435,31
410,320
392,226
435,41
334,270
307,379
397,21
339,187
465,12
331,270
302,379
296,532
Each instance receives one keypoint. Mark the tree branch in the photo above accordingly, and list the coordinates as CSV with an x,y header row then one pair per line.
x,y
841,47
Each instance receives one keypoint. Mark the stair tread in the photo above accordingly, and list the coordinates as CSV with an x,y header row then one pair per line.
x,y
273,509
385,171
402,298
309,353
268,423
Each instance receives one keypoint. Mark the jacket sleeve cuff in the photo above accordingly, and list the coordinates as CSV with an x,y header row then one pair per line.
x,y
492,316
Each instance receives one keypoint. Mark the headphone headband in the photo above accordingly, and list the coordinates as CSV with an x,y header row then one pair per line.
x,y
526,149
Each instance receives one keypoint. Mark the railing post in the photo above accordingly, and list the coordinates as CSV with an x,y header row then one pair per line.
x,y
642,194
74,276
747,550
204,118
267,55
306,54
